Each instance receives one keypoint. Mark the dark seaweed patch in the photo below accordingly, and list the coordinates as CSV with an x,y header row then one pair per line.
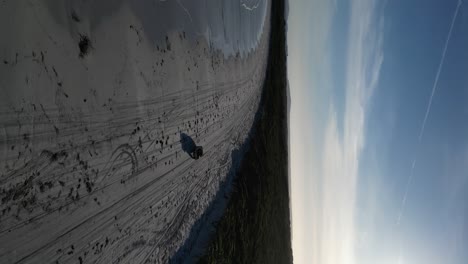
x,y
84,45
75,17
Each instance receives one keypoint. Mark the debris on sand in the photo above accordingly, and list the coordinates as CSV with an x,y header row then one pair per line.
x,y
75,17
85,45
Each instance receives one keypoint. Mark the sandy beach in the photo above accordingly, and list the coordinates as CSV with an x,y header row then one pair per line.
x,y
95,117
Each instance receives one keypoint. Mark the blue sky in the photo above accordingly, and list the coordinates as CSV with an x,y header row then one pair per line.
x,y
361,75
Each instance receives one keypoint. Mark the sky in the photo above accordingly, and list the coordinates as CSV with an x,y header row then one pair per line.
x,y
378,131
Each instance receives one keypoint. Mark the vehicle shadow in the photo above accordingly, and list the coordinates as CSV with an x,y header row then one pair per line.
x,y
188,145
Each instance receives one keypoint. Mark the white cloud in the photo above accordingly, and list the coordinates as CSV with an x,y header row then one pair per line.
x,y
341,153
328,234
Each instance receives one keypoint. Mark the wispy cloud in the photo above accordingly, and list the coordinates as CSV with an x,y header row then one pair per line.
x,y
342,149
428,109
326,144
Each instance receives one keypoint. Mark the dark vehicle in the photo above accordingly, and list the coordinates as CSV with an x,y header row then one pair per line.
x,y
197,152
189,146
